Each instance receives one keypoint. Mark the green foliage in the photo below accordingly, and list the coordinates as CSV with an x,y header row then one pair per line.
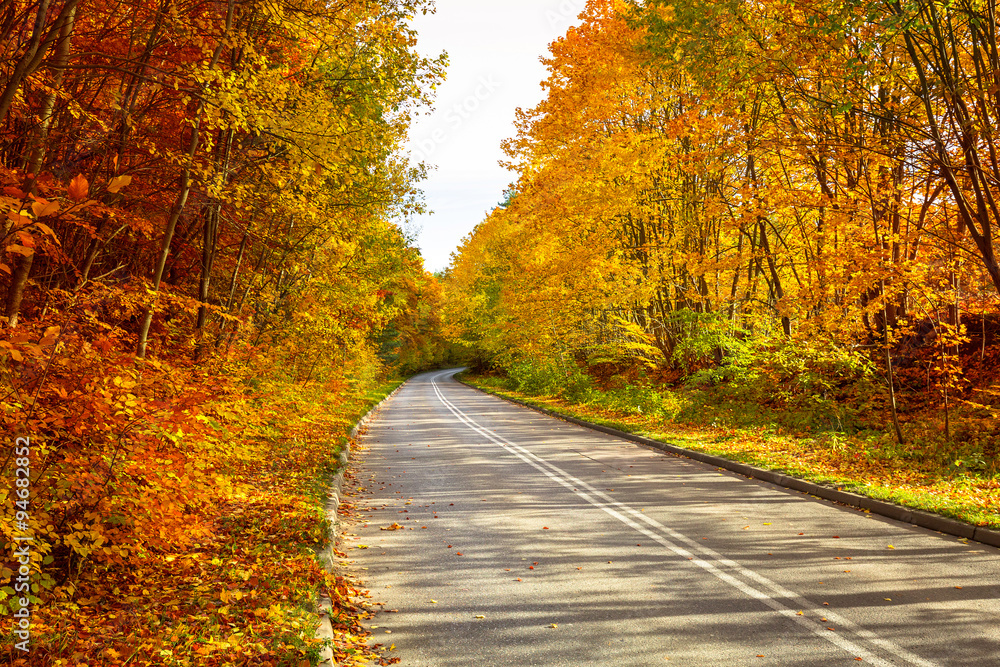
x,y
704,337
542,376
640,398
759,380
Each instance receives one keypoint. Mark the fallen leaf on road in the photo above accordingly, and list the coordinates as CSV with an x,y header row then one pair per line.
x,y
480,616
553,625
362,546
434,601
394,526
891,547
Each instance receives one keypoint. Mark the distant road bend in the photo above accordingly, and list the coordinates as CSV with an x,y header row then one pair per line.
x,y
504,537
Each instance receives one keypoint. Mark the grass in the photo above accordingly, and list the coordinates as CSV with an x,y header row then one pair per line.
x,y
867,463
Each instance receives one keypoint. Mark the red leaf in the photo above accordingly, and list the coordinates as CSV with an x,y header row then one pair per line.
x,y
79,188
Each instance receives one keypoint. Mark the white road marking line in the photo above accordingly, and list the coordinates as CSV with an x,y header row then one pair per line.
x,y
623,512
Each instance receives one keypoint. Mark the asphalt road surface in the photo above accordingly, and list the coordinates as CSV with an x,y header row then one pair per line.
x,y
526,540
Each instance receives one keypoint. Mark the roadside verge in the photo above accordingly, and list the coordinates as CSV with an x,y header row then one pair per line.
x,y
890,510
327,557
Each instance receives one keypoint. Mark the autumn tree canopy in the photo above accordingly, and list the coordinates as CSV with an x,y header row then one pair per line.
x,y
703,174
201,266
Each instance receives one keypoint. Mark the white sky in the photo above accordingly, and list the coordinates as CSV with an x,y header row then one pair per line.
x,y
494,48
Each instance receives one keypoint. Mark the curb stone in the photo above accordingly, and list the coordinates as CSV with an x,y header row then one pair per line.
x,y
914,517
326,556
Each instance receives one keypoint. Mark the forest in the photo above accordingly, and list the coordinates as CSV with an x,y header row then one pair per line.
x,y
204,286
766,230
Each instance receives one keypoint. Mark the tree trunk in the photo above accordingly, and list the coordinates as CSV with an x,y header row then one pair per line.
x,y
39,147
181,201
38,46
18,282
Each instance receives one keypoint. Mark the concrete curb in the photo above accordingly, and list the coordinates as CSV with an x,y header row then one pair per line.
x,y
913,517
326,556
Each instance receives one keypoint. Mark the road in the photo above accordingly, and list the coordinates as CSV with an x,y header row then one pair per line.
x,y
526,540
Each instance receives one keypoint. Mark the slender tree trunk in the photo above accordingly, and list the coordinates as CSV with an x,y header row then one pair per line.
x,y
892,382
39,147
779,292
168,236
181,201
210,237
232,284
34,53
18,282
136,81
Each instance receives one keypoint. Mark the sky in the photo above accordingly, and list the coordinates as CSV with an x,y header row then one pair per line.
x,y
493,48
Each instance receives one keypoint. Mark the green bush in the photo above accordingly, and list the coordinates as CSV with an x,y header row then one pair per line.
x,y
550,377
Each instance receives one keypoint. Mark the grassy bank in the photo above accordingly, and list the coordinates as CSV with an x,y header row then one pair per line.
x,y
866,462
